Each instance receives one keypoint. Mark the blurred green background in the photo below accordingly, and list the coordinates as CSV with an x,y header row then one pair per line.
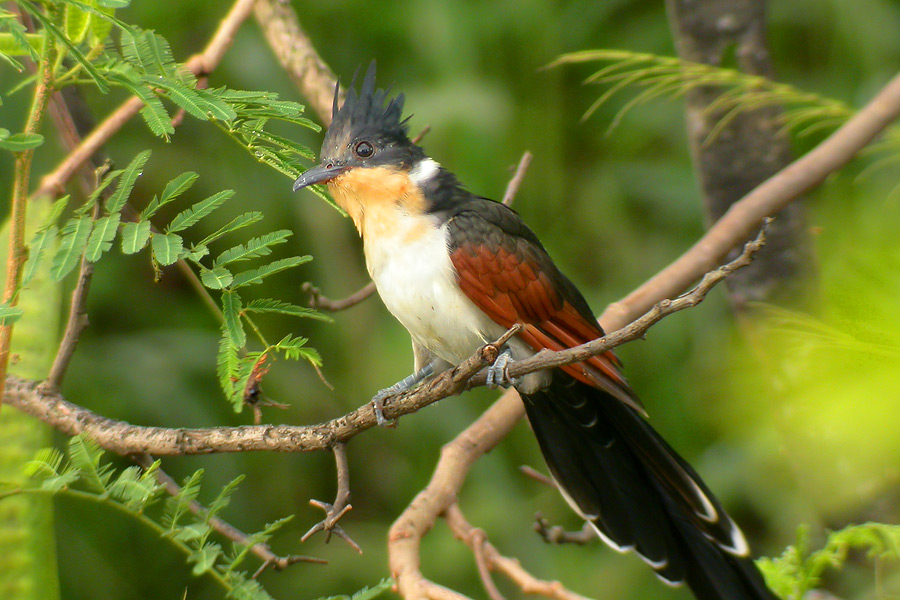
x,y
804,431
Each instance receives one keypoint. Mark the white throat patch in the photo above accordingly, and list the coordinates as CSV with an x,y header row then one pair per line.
x,y
424,170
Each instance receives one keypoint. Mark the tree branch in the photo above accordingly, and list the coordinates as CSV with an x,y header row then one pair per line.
x,y
126,439
491,558
199,64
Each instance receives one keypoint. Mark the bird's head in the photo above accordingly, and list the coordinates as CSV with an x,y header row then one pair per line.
x,y
367,141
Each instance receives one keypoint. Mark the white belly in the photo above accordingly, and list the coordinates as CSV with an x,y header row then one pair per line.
x,y
412,270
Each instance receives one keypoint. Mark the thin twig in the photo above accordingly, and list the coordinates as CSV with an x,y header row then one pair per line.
x,y
260,549
75,325
555,534
334,512
421,134
199,64
319,301
512,188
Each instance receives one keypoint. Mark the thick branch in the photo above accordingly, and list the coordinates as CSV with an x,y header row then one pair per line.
x,y
766,199
199,64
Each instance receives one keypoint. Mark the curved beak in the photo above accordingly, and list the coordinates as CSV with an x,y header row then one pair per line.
x,y
319,174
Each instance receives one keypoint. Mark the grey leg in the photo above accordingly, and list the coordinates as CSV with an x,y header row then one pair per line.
x,y
398,388
497,373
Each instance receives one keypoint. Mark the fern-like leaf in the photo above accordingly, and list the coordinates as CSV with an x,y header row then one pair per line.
x,y
85,455
191,216
231,310
75,235
116,202
135,236
254,248
252,276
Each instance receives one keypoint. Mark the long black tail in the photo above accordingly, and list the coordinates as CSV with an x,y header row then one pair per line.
x,y
620,475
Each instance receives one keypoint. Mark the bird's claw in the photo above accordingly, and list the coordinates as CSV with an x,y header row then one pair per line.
x,y
498,372
378,406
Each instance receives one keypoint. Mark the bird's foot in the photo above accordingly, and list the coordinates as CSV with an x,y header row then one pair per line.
x,y
398,388
498,372
378,405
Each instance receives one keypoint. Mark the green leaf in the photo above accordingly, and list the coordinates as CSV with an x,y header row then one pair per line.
x,y
100,28
217,278
205,558
239,222
89,68
77,23
23,38
135,487
181,95
166,247
217,108
75,235
21,141
46,463
257,275
254,248
180,504
156,117
5,55
270,305
192,532
174,188
294,349
148,52
39,244
192,215
370,593
102,236
85,455
135,168
231,309
9,314
153,112
135,236
223,498
114,3
227,365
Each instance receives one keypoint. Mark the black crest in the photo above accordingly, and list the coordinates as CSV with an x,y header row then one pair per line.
x,y
364,114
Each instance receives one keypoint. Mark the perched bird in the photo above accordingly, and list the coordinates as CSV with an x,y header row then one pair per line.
x,y
458,271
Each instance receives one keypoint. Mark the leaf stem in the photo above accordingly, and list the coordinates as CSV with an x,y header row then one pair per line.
x,y
21,179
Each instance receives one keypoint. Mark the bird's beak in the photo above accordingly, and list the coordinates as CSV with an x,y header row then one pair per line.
x,y
319,174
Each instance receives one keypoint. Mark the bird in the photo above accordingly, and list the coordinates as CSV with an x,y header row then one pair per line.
x,y
458,271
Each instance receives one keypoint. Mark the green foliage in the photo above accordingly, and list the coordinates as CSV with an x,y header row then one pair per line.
x,y
89,233
799,569
81,474
366,593
19,141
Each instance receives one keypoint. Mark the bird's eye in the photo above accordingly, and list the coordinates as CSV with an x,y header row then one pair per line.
x,y
364,149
